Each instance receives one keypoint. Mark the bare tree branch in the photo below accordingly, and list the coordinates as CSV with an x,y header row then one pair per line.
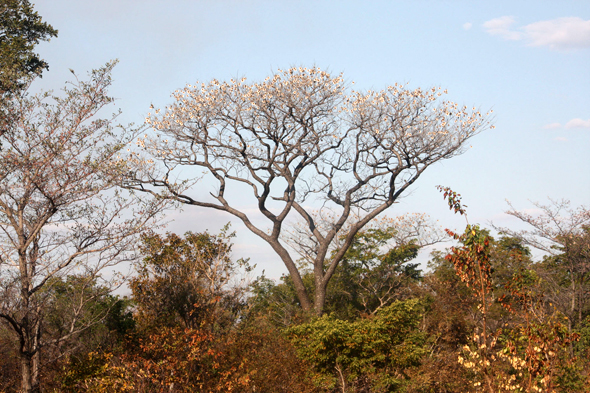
x,y
298,139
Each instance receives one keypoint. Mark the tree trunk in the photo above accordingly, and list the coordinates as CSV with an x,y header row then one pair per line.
x,y
573,305
30,373
320,297
294,273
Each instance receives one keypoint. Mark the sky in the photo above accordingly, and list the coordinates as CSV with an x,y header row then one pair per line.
x,y
529,61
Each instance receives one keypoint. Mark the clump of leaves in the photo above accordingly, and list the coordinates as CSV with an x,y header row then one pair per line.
x,y
370,353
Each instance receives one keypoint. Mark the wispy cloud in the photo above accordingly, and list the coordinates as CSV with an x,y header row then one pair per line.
x,y
502,27
578,123
560,34
467,25
552,126
573,123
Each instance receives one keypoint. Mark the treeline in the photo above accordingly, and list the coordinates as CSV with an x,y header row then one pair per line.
x,y
484,316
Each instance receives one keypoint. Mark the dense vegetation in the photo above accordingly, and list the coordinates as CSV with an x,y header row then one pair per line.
x,y
484,316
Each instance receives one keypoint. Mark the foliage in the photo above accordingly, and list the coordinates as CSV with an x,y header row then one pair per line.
x,y
375,271
168,360
253,358
191,280
480,320
278,302
485,318
372,352
532,354
9,361
526,356
370,278
98,315
563,233
21,28
262,355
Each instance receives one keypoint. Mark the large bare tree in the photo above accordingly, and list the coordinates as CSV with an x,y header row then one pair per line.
x,y
302,140
60,211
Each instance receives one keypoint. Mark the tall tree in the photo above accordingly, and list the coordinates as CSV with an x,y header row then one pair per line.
x,y
300,140
21,28
60,211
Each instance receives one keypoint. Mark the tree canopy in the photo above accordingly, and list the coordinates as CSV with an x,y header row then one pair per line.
x,y
21,28
299,139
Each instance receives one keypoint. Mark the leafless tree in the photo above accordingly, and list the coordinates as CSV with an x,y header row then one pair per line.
x,y
60,210
563,233
299,140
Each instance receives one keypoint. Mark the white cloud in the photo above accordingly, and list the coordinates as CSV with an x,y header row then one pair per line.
x,y
552,126
467,25
561,33
501,27
573,123
561,139
578,123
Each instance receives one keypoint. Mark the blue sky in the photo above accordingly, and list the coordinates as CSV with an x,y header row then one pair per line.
x,y
529,61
